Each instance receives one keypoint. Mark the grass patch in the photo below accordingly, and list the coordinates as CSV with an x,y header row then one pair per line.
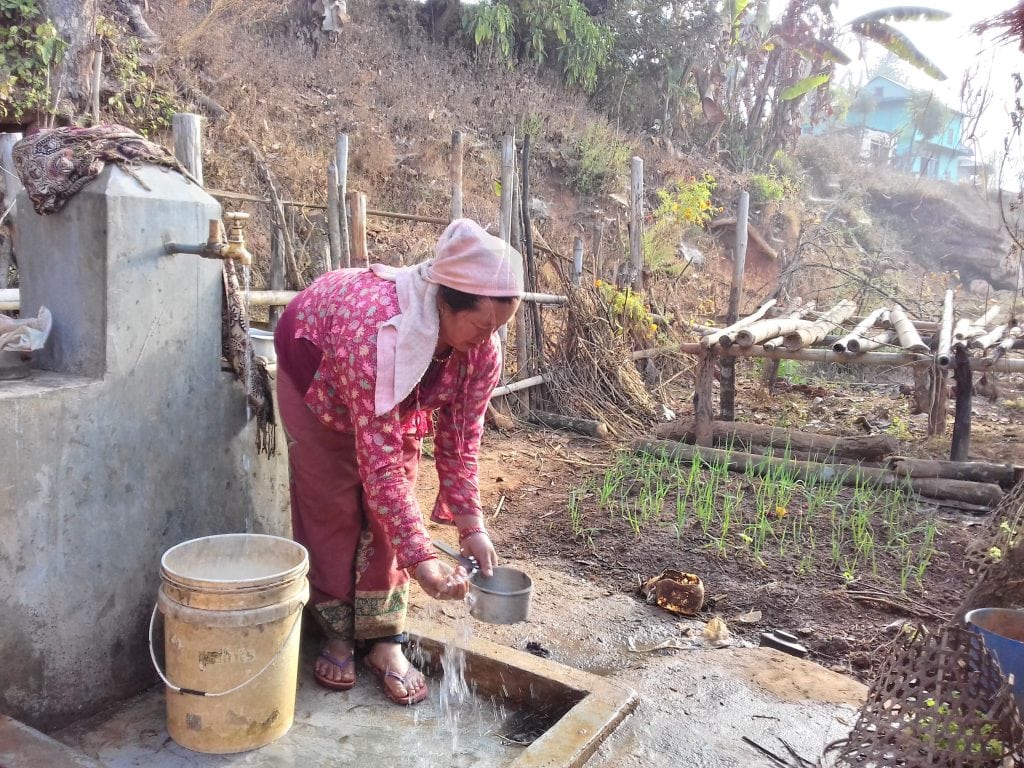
x,y
765,513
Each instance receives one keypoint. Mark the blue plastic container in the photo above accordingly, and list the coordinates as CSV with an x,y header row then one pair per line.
x,y
1003,632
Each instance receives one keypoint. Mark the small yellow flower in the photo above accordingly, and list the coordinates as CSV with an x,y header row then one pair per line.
x,y
781,511
598,283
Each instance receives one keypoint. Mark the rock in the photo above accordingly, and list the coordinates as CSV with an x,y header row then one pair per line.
x,y
690,254
540,208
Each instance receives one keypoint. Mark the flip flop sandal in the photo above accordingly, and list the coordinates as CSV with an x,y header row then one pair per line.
x,y
341,664
383,675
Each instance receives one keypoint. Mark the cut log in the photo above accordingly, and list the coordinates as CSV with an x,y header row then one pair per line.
x,y
975,471
860,448
571,423
981,494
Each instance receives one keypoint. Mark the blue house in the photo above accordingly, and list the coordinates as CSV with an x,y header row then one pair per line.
x,y
880,115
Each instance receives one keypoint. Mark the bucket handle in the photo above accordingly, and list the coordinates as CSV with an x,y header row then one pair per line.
x,y
207,694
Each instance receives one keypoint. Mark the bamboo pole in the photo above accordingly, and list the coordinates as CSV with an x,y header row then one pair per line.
x,y
990,315
341,166
187,132
456,174
515,386
357,213
858,332
577,262
943,355
1008,343
989,339
820,328
909,338
333,217
961,444
727,366
723,336
767,329
636,221
858,346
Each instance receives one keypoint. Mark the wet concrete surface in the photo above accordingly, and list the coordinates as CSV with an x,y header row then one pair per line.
x,y
696,705
357,727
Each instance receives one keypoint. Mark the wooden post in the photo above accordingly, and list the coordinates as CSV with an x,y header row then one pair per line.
x,y
523,361
97,80
187,130
508,170
341,166
636,222
598,236
961,445
938,394
577,262
333,217
531,264
357,212
703,408
727,394
456,174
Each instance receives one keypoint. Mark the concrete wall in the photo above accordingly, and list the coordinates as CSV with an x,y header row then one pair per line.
x,y
130,441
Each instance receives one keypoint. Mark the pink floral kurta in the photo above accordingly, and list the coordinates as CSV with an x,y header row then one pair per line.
x,y
340,314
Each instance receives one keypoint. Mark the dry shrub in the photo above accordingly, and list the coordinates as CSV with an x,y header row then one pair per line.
x,y
593,374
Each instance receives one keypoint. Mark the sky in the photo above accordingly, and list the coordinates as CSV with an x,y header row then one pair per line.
x,y
953,48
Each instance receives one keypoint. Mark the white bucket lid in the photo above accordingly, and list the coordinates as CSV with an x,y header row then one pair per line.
x,y
234,561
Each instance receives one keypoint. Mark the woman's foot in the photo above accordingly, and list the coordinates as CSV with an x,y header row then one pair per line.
x,y
334,667
403,683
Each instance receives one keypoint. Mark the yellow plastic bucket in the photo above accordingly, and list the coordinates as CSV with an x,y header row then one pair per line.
x,y
232,605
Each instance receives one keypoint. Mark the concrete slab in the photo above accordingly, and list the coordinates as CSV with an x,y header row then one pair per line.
x,y
23,747
454,727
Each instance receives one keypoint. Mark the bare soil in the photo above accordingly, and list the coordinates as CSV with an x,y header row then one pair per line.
x,y
527,476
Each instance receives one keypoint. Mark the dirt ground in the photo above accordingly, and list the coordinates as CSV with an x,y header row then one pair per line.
x,y
527,477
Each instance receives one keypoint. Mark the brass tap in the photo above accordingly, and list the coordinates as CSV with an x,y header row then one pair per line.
x,y
218,245
236,239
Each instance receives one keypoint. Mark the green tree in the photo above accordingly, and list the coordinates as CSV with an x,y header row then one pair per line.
x,y
657,46
928,117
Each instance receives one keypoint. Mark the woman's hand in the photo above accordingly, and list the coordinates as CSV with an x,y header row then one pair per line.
x,y
442,582
479,545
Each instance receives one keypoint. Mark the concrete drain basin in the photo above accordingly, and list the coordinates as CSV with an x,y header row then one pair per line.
x,y
578,710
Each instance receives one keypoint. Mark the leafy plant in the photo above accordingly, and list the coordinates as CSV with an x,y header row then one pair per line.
x,y
544,32
139,102
627,311
30,48
600,156
767,187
